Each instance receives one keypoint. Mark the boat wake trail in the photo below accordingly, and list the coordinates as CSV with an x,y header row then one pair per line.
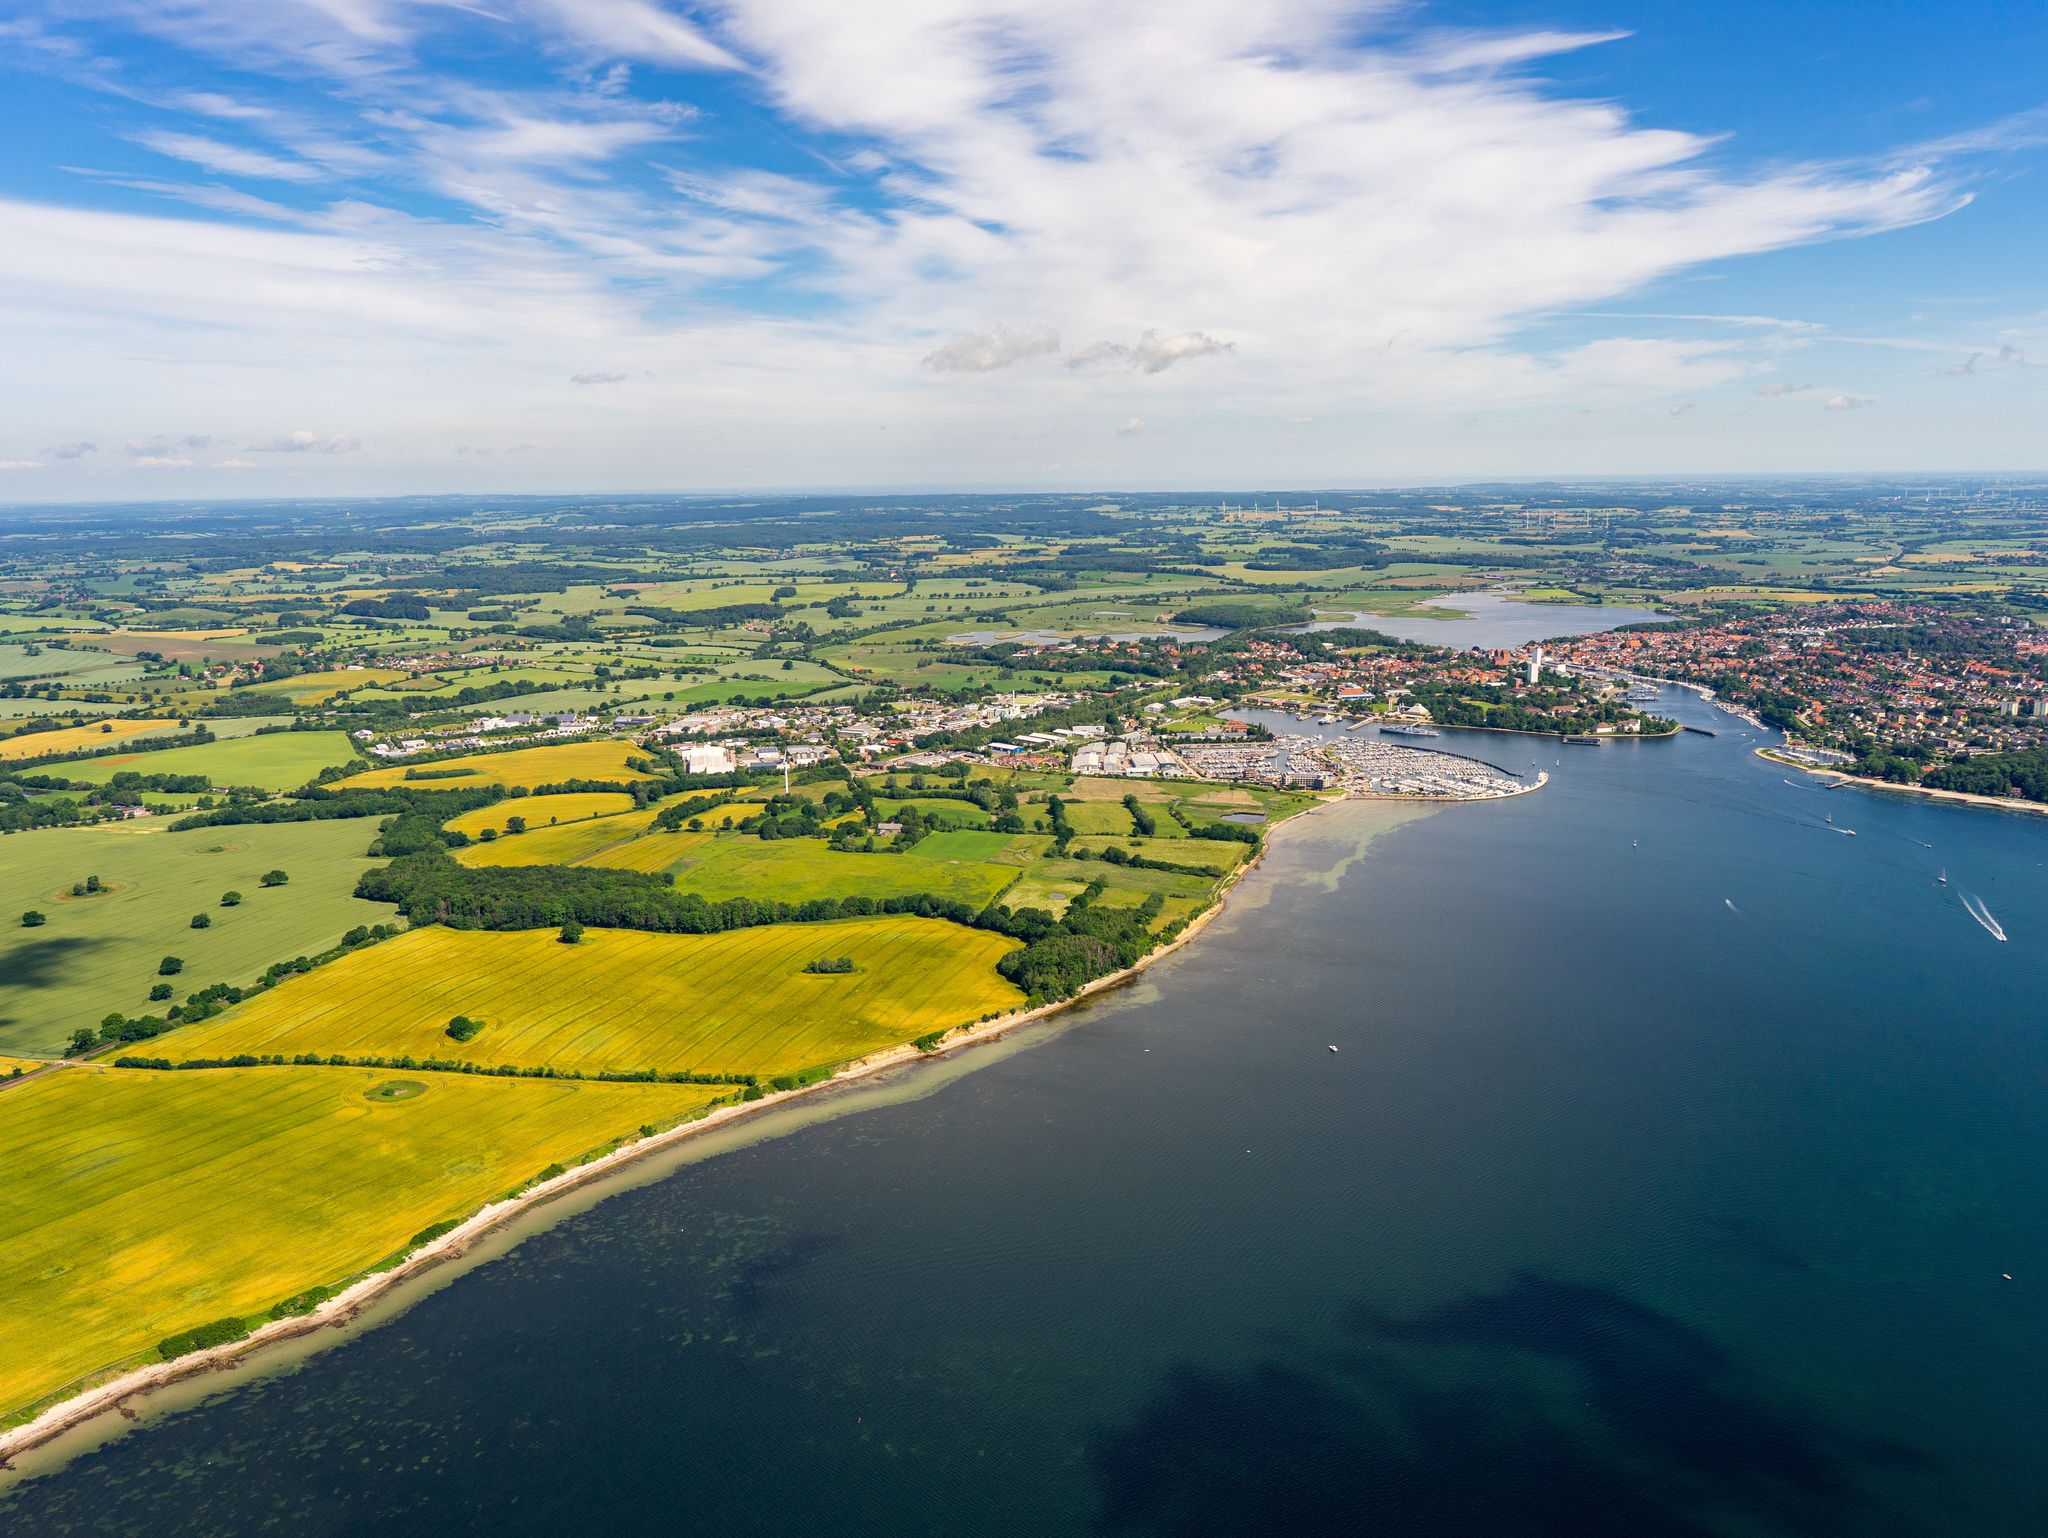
x,y
1974,906
1729,902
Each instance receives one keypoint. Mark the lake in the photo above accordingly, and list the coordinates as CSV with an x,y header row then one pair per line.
x,y
1666,1180
1473,620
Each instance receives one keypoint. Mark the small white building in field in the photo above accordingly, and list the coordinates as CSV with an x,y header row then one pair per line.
x,y
707,758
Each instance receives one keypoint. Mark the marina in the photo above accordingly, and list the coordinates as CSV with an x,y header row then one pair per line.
x,y
1361,767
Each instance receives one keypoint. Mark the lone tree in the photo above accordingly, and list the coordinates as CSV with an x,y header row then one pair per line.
x,y
572,933
462,1028
231,899
32,919
202,921
82,1042
274,878
515,824
170,966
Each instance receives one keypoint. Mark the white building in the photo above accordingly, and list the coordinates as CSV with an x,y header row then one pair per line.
x,y
707,758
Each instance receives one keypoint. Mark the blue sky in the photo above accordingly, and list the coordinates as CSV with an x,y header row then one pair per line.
x,y
286,247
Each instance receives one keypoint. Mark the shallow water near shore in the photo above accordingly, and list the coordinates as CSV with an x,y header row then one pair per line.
x,y
1664,1182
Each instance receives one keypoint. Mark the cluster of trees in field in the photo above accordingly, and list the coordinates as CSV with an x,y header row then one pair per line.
x,y
20,811
1116,854
387,608
1332,554
399,708
1245,613
716,618
1499,707
1086,942
1328,645
1122,663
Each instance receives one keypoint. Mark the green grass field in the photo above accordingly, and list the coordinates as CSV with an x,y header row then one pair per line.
x,y
555,764
1208,853
318,688
272,761
978,845
1103,817
797,869
139,1204
962,813
100,953
739,1002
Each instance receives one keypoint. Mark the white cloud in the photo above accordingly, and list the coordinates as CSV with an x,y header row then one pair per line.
x,y
1778,388
1133,428
235,464
1683,408
1965,368
982,352
1289,182
160,447
77,450
1153,354
1849,402
21,464
162,462
597,379
304,442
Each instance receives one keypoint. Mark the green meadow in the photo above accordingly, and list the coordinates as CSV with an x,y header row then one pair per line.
x,y
273,761
98,954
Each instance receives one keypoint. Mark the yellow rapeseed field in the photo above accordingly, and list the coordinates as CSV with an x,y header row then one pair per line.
x,y
542,811
139,1204
738,1002
528,767
319,688
82,739
567,843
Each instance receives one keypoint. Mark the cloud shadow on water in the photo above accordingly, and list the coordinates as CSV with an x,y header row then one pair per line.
x,y
1546,1408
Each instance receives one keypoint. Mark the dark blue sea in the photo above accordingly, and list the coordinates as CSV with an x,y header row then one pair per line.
x,y
1682,1170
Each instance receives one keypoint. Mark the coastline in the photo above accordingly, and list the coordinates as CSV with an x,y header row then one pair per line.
x,y
1836,777
110,1397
